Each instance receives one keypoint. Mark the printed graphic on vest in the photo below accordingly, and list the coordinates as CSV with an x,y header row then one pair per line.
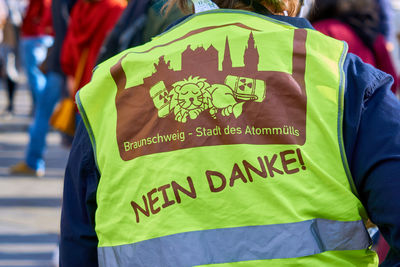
x,y
207,102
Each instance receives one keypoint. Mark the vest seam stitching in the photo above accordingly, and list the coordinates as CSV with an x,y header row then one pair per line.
x,y
340,122
88,128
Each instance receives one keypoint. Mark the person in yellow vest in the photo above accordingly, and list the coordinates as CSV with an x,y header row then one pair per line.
x,y
238,137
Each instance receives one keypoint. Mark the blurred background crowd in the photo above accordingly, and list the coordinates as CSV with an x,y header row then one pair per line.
x,y
52,46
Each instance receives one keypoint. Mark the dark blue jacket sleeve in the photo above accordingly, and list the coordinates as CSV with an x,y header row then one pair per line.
x,y
78,240
372,143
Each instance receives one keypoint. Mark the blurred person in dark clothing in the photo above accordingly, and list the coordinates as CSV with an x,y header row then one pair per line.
x,y
3,17
61,10
9,51
128,30
356,22
6,53
140,21
158,21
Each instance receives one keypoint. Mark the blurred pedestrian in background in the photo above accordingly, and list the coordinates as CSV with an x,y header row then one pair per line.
x,y
8,51
3,55
36,39
358,23
128,30
158,20
90,22
140,21
61,11
3,17
34,163
385,13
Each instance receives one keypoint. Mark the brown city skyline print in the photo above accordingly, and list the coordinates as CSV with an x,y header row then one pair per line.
x,y
205,104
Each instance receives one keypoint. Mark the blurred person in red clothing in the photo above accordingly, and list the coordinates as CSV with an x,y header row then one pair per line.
x,y
36,38
356,22
90,22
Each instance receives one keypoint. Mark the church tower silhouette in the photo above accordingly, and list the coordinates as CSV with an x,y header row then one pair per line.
x,y
251,56
227,61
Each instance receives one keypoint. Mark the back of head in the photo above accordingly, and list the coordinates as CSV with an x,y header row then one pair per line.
x,y
261,6
323,9
361,15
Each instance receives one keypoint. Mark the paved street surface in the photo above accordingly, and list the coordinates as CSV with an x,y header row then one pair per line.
x,y
29,206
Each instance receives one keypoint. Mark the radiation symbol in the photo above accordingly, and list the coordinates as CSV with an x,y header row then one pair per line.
x,y
163,97
245,84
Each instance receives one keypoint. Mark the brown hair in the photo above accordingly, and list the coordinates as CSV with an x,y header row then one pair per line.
x,y
262,6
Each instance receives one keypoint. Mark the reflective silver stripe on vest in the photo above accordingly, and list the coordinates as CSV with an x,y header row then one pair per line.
x,y
225,245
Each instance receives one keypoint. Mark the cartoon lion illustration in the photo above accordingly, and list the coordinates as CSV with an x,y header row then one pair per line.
x,y
189,98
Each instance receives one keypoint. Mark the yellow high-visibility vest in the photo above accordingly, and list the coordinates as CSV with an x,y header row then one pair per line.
x,y
220,142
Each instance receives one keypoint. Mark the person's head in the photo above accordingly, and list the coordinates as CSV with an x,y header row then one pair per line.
x,y
323,9
361,15
277,7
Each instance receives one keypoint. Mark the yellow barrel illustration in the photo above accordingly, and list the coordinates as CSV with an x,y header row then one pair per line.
x,y
245,88
161,99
